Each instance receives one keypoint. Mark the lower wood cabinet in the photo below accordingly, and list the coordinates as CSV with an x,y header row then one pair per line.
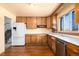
x,y
27,38
49,41
33,39
36,39
52,43
72,50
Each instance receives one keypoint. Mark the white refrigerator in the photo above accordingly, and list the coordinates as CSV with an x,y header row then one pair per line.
x,y
18,34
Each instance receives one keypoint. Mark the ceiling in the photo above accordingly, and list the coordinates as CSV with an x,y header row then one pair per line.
x,y
29,9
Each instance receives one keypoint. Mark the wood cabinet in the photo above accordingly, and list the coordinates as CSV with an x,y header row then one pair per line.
x,y
42,39
33,39
72,50
34,24
21,19
49,41
52,43
76,13
28,22
43,21
38,20
49,22
39,39
27,39
31,22
18,19
36,39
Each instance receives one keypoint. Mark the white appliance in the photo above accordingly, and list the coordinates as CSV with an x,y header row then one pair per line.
x,y
18,34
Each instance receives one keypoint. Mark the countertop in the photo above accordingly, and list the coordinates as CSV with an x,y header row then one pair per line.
x,y
68,38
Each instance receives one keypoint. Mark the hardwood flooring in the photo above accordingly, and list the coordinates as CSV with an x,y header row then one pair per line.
x,y
28,51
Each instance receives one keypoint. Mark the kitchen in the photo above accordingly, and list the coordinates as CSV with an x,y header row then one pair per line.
x,y
48,29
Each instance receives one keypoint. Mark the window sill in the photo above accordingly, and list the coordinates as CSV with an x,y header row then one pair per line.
x,y
69,31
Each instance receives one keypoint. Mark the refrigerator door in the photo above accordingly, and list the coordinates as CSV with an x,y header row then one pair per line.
x,y
20,29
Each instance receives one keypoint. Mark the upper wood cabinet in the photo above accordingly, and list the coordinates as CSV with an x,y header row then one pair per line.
x,y
31,22
21,19
28,22
38,19
76,13
34,22
49,22
43,21
18,19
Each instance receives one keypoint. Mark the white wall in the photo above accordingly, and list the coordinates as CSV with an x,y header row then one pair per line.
x,y
4,12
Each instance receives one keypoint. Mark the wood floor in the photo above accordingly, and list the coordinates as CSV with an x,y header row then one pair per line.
x,y
28,51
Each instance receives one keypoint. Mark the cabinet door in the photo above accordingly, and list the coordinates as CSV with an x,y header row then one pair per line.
x,y
23,20
77,13
28,39
33,39
38,20
43,21
53,40
52,43
72,50
29,22
39,39
49,41
44,39
18,19
33,22
49,22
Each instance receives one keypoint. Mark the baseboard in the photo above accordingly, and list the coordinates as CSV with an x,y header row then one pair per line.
x,y
36,44
17,45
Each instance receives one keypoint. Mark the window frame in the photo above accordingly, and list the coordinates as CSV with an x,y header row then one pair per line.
x,y
69,24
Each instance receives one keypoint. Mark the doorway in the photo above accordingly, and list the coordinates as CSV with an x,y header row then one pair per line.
x,y
8,32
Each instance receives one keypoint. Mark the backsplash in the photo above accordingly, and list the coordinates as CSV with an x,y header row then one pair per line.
x,y
38,30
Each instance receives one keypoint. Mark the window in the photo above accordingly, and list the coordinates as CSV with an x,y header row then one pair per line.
x,y
74,26
62,23
67,22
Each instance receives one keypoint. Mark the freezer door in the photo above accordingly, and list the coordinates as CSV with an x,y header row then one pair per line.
x,y
20,29
18,41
